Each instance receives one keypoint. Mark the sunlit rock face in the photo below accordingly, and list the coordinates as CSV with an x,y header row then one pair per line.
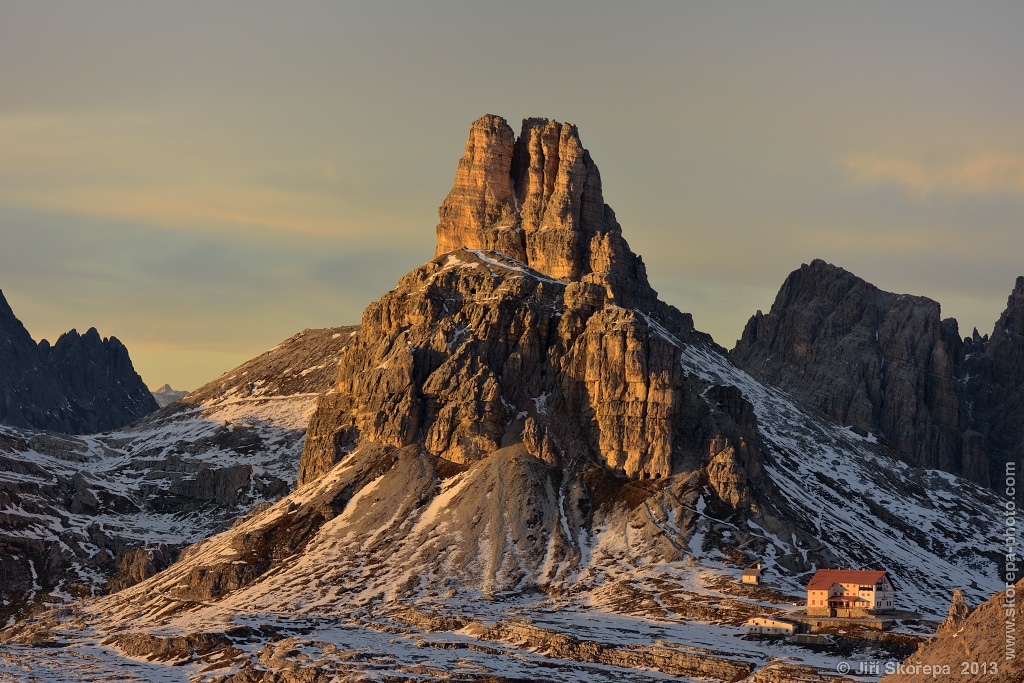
x,y
534,324
538,200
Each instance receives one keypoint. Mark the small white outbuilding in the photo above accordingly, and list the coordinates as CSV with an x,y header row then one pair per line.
x,y
770,626
752,575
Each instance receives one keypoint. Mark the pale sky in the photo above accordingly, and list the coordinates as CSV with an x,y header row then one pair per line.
x,y
204,180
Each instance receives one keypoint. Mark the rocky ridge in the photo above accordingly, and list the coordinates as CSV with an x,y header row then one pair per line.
x,y
78,513
82,384
888,364
982,647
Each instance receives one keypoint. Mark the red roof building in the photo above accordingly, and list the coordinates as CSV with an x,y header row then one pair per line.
x,y
849,593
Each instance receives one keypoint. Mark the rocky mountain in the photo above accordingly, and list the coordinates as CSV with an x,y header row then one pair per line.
x,y
81,515
994,378
973,645
526,465
889,365
165,395
82,384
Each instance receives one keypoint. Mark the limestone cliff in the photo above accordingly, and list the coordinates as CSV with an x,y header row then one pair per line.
x,y
538,200
880,362
994,374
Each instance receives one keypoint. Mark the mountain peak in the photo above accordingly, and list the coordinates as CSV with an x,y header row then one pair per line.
x,y
537,198
5,308
1018,289
83,383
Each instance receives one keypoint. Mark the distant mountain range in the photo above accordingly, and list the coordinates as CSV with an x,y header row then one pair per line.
x,y
165,395
82,384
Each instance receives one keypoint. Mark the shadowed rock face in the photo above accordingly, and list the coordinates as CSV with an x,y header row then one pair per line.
x,y
887,363
879,362
82,384
538,200
994,373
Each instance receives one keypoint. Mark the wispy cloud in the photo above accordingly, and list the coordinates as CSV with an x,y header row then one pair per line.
x,y
175,174
987,174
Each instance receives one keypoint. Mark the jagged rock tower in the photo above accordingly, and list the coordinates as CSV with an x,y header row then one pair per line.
x,y
538,200
533,325
520,390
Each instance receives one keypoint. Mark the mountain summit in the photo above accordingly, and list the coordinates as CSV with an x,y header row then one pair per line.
x,y
537,199
82,384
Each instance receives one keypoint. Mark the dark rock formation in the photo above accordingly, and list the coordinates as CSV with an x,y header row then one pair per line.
x,y
31,393
82,384
101,381
876,361
994,373
888,364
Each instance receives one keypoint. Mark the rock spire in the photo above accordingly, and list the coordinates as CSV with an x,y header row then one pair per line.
x,y
538,200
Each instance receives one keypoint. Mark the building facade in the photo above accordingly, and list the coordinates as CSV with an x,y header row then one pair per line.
x,y
849,593
771,626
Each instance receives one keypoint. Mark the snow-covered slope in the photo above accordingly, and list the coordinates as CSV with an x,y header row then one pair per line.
x,y
931,530
386,542
77,511
529,466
